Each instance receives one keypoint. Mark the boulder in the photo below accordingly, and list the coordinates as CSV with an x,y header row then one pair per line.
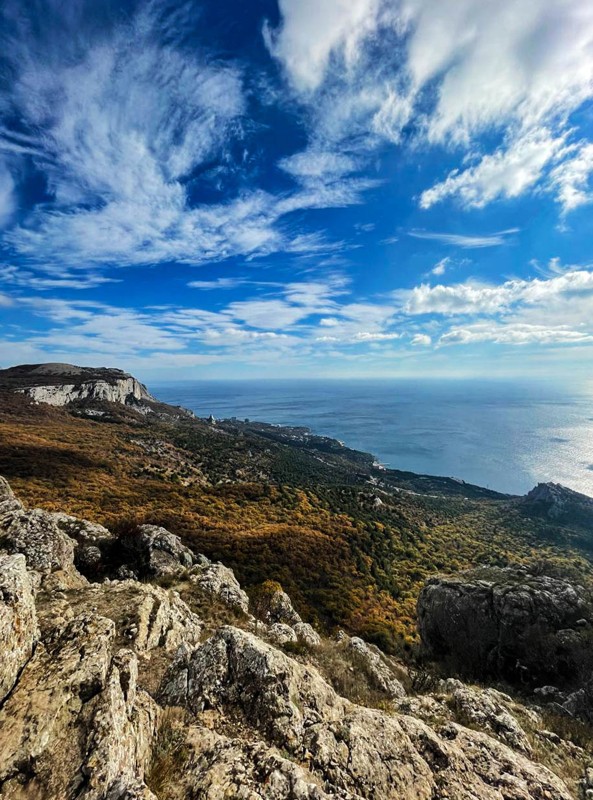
x,y
220,583
506,623
37,536
18,620
580,703
488,710
9,505
280,611
280,634
154,551
307,634
93,542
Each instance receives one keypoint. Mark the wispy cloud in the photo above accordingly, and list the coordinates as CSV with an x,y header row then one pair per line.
x,y
515,334
506,173
54,279
467,241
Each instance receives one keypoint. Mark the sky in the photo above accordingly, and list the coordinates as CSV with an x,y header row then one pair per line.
x,y
298,188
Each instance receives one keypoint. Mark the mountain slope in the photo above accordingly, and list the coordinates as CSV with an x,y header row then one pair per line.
x,y
352,543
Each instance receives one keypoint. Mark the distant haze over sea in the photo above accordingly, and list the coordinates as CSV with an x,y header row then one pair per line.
x,y
504,435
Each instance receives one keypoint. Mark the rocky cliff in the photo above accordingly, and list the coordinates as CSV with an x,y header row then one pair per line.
x,y
62,384
132,667
558,503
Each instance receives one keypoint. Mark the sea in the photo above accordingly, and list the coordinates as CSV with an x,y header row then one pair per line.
x,y
504,435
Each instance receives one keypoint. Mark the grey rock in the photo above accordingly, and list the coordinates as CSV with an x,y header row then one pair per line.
x,y
75,724
126,390
307,634
580,703
147,616
356,751
37,536
377,668
220,582
280,634
281,611
155,551
508,623
490,711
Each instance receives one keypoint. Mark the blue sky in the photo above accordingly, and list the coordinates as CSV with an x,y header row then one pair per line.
x,y
298,188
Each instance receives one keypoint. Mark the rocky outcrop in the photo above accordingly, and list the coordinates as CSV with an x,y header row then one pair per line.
x,y
490,711
122,390
74,725
508,623
280,611
375,665
37,536
356,751
146,617
220,766
580,703
557,502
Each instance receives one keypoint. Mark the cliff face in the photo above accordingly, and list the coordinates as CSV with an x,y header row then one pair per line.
x,y
119,390
113,686
61,384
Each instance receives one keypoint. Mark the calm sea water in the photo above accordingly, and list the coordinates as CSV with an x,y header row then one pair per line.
x,y
507,436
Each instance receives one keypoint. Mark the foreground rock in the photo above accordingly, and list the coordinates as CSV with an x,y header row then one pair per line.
x,y
75,725
356,751
18,620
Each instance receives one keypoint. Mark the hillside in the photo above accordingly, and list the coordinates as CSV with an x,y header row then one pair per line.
x,y
134,668
351,542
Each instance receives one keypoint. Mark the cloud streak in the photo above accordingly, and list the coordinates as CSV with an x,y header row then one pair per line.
x,y
465,241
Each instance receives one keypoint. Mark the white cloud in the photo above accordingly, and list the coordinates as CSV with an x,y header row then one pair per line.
x,y
570,179
474,298
501,62
466,241
506,173
451,70
421,339
52,279
367,336
441,267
